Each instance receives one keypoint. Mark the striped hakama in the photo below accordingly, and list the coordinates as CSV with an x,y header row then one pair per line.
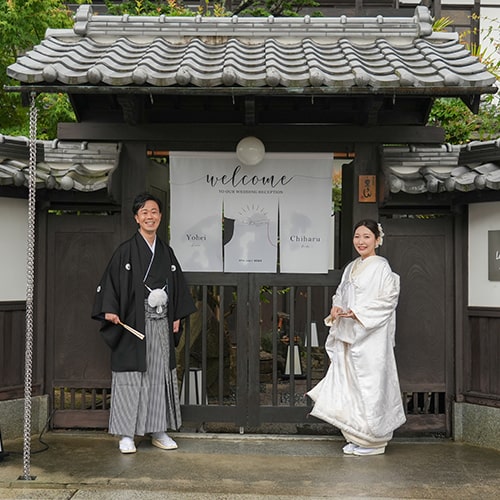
x,y
147,402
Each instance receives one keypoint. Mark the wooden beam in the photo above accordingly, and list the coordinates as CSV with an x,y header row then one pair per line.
x,y
276,137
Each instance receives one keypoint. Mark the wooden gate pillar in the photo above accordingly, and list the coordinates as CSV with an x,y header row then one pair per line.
x,y
128,180
359,194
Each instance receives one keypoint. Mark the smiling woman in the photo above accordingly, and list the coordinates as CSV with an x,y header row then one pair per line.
x,y
360,393
366,239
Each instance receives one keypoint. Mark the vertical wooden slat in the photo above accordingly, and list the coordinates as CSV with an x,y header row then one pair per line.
x,y
221,359
308,366
291,346
274,390
204,336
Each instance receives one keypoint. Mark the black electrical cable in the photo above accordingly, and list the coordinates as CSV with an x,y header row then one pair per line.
x,y
40,440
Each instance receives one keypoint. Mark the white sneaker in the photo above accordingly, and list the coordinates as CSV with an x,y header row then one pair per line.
x,y
349,448
365,452
127,445
161,440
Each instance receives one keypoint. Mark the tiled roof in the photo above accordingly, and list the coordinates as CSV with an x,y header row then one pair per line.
x,y
335,55
66,165
418,169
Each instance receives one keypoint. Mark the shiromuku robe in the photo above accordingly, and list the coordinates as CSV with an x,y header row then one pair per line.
x,y
360,393
122,291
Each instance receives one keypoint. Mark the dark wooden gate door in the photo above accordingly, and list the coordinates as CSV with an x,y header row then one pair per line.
x,y
77,366
421,251
254,348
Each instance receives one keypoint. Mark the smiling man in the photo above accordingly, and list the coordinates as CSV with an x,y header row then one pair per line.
x,y
143,287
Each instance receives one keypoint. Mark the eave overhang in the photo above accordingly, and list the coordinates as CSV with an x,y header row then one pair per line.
x,y
256,91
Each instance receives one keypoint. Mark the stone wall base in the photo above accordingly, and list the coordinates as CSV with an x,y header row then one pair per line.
x,y
12,416
477,425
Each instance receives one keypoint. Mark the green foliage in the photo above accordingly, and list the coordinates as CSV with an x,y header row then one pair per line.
x,y
149,8
277,8
461,125
337,191
441,24
22,25
454,116
217,9
487,121
267,291
487,52
53,109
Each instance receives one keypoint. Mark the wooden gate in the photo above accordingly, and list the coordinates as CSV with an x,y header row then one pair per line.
x,y
254,347
77,360
421,251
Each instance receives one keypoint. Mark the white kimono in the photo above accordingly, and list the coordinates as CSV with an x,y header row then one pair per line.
x,y
360,393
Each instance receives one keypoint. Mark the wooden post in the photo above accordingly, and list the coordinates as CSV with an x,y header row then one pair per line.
x,y
358,202
129,179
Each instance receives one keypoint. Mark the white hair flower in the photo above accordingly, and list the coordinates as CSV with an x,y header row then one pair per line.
x,y
380,240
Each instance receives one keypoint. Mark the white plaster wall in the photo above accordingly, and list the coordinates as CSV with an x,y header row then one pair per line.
x,y
483,217
13,238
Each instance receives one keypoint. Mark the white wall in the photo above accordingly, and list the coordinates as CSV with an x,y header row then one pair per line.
x,y
13,237
483,217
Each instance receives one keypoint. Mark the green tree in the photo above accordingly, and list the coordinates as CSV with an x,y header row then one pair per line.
x,y
148,8
459,123
177,8
277,8
22,25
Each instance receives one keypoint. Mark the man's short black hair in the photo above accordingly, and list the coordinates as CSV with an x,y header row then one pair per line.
x,y
141,199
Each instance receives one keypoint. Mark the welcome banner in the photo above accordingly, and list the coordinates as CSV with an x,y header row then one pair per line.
x,y
250,233
305,217
226,216
196,213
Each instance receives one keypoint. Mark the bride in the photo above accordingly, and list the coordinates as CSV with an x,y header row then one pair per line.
x,y
360,392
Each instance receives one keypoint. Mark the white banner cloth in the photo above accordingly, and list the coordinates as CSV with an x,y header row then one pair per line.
x,y
217,203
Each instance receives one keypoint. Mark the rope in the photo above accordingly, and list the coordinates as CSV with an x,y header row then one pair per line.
x,y
30,281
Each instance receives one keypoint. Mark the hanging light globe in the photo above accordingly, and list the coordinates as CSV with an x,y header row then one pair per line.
x,y
250,151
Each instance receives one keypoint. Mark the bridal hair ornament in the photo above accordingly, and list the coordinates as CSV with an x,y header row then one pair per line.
x,y
381,233
157,298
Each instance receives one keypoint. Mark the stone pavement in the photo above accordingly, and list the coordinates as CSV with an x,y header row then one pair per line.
x,y
88,465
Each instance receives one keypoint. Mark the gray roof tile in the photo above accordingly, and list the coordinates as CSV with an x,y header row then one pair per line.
x,y
394,53
81,166
416,169
413,169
